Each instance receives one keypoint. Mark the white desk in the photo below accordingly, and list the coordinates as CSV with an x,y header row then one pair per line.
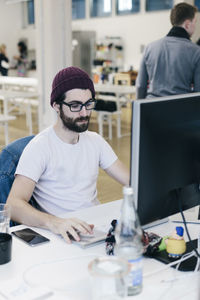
x,y
119,90
63,267
22,92
21,81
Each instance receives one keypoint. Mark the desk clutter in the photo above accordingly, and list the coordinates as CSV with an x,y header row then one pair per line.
x,y
168,249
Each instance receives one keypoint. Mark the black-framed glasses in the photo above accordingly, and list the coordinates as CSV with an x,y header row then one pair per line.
x,y
77,106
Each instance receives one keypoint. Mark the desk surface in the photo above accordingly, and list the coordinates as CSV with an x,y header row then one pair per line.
x,y
117,89
24,81
63,267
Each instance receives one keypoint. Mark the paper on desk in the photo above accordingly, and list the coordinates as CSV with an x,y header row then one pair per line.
x,y
19,290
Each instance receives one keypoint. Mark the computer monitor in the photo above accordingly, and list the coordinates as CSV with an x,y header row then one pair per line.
x,y
165,155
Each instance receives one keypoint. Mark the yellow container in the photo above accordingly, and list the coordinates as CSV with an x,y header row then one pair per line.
x,y
175,247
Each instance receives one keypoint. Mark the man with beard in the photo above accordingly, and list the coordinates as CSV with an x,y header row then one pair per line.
x,y
59,167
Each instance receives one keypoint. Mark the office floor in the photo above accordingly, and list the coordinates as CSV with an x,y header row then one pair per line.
x,y
108,188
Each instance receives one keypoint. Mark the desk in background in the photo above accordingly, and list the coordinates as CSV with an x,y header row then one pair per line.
x,y
123,94
20,92
24,82
23,93
63,267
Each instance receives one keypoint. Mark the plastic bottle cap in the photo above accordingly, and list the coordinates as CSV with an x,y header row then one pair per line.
x,y
128,190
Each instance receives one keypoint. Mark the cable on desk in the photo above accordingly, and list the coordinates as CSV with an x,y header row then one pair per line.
x,y
185,224
185,257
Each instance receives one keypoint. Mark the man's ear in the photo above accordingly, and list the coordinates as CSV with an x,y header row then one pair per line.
x,y
56,106
186,24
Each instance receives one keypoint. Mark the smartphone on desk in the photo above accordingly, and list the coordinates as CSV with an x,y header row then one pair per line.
x,y
30,237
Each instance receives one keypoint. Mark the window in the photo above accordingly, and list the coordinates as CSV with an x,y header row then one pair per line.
x,y
152,5
78,9
197,3
100,8
127,6
30,12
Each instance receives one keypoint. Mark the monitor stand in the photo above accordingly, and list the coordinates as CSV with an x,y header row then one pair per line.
x,y
187,265
191,215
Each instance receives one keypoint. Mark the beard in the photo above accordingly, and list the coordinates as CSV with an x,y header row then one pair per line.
x,y
72,124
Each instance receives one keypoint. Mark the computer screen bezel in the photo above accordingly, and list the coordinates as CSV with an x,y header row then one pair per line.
x,y
135,135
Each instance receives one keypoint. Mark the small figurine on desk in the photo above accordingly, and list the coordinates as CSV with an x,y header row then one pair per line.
x,y
176,245
110,239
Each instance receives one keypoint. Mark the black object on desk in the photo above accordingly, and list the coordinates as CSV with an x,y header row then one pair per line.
x,y
5,248
187,265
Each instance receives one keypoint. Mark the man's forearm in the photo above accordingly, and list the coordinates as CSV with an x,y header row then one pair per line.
x,y
23,212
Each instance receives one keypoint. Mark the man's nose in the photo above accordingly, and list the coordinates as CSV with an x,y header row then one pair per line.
x,y
83,111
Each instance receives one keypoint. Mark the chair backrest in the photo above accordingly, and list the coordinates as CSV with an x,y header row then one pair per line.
x,y
9,158
103,105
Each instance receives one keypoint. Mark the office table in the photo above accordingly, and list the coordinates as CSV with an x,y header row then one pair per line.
x,y
119,90
20,81
21,92
63,267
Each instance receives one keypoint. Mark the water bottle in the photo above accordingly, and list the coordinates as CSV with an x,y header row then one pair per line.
x,y
128,236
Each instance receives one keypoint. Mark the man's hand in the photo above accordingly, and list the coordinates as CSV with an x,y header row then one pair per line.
x,y
23,212
69,227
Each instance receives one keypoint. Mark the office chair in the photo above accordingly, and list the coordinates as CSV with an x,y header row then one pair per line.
x,y
9,158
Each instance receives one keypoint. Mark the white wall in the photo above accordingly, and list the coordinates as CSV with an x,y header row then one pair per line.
x,y
11,24
136,30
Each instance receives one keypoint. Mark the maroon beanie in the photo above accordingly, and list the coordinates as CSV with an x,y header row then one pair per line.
x,y
68,79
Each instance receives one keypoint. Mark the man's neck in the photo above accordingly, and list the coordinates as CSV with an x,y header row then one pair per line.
x,y
66,135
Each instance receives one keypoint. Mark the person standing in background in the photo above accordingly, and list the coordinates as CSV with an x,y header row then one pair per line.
x,y
171,65
4,61
21,59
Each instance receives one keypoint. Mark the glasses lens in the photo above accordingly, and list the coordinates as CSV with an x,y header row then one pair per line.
x,y
90,104
75,107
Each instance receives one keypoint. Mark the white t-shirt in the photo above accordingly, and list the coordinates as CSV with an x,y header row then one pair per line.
x,y
65,174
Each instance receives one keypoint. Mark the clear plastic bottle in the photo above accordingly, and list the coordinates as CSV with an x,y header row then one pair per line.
x,y
128,236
